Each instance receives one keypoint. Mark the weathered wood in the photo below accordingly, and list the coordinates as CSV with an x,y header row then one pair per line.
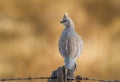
x,y
60,74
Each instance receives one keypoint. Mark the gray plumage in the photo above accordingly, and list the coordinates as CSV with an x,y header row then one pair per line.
x,y
70,43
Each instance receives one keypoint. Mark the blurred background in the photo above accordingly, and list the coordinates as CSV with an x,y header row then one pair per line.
x,y
30,30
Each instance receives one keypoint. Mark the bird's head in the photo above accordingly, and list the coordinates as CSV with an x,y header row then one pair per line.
x,y
66,21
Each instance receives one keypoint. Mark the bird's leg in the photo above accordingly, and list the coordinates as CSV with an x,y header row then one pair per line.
x,y
75,67
66,72
70,72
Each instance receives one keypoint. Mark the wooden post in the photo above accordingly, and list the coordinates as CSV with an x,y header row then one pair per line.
x,y
59,73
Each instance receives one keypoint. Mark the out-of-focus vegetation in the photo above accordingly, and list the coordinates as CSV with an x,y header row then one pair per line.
x,y
30,30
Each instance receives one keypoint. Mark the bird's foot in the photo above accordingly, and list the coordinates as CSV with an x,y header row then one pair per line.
x,y
70,78
70,75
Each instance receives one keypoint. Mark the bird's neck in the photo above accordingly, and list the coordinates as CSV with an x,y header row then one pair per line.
x,y
70,27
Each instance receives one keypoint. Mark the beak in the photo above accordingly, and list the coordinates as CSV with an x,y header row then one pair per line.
x,y
61,21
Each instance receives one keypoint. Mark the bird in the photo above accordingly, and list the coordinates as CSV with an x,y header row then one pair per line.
x,y
70,44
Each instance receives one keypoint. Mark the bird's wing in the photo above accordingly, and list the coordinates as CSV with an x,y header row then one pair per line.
x,y
72,47
68,47
63,47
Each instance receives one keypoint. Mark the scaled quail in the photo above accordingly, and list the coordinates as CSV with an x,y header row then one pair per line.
x,y
70,44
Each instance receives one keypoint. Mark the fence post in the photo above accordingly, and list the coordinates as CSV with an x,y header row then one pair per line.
x,y
59,73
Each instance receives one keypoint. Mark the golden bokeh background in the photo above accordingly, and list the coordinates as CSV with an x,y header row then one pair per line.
x,y
30,30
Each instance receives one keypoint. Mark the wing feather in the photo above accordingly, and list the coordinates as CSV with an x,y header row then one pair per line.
x,y
68,47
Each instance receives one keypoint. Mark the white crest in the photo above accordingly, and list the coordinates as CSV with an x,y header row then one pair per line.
x,y
66,14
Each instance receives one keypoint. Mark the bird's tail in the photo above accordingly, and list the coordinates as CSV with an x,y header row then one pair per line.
x,y
70,63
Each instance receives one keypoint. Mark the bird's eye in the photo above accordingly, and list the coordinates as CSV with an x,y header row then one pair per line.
x,y
64,20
